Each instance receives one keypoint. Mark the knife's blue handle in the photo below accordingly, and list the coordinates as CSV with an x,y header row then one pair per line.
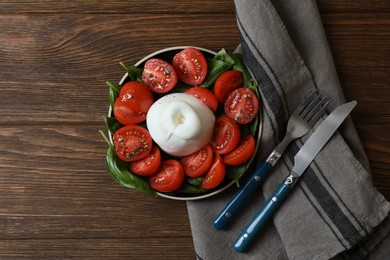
x,y
231,209
261,217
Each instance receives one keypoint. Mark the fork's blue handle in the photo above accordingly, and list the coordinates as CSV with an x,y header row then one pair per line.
x,y
231,209
261,218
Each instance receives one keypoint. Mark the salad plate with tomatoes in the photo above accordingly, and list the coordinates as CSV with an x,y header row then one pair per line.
x,y
184,123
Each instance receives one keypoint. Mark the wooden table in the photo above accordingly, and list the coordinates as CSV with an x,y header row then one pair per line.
x,y
56,197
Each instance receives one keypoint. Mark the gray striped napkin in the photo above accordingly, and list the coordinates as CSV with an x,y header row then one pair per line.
x,y
334,212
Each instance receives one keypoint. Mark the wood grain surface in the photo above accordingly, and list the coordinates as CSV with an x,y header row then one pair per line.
x,y
57,199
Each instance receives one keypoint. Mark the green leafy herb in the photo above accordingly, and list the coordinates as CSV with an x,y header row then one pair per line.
x,y
216,66
133,71
251,128
182,87
120,173
190,189
113,91
235,172
112,124
195,181
239,65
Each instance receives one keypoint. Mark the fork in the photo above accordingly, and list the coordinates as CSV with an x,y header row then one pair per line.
x,y
299,123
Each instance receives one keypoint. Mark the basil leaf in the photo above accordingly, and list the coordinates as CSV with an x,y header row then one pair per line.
x,y
235,172
195,181
133,71
222,55
119,171
240,66
182,87
216,66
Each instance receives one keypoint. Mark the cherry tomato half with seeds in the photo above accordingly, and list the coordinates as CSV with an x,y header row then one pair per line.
x,y
226,135
191,66
159,75
215,175
169,178
242,153
242,105
133,103
205,95
198,163
148,165
226,83
132,143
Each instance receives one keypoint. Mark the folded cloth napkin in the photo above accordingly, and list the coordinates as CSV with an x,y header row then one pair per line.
x,y
334,211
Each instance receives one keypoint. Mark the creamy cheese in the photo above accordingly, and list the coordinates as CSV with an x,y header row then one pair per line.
x,y
180,124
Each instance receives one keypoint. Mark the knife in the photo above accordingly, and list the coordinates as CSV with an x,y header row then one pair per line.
x,y
233,207
301,161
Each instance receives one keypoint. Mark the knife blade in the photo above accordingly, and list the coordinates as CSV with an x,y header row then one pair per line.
x,y
302,160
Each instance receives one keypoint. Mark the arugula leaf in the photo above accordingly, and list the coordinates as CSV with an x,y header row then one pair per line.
x,y
216,66
118,170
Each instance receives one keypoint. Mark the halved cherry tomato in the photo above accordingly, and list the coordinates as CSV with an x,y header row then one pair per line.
x,y
169,178
159,75
226,83
133,103
148,165
226,135
191,66
242,105
132,143
198,163
205,95
242,153
215,174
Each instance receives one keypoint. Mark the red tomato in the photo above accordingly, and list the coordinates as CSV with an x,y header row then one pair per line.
x,y
133,103
148,165
226,135
215,174
242,153
159,75
132,143
225,84
242,105
191,66
198,163
169,178
205,95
